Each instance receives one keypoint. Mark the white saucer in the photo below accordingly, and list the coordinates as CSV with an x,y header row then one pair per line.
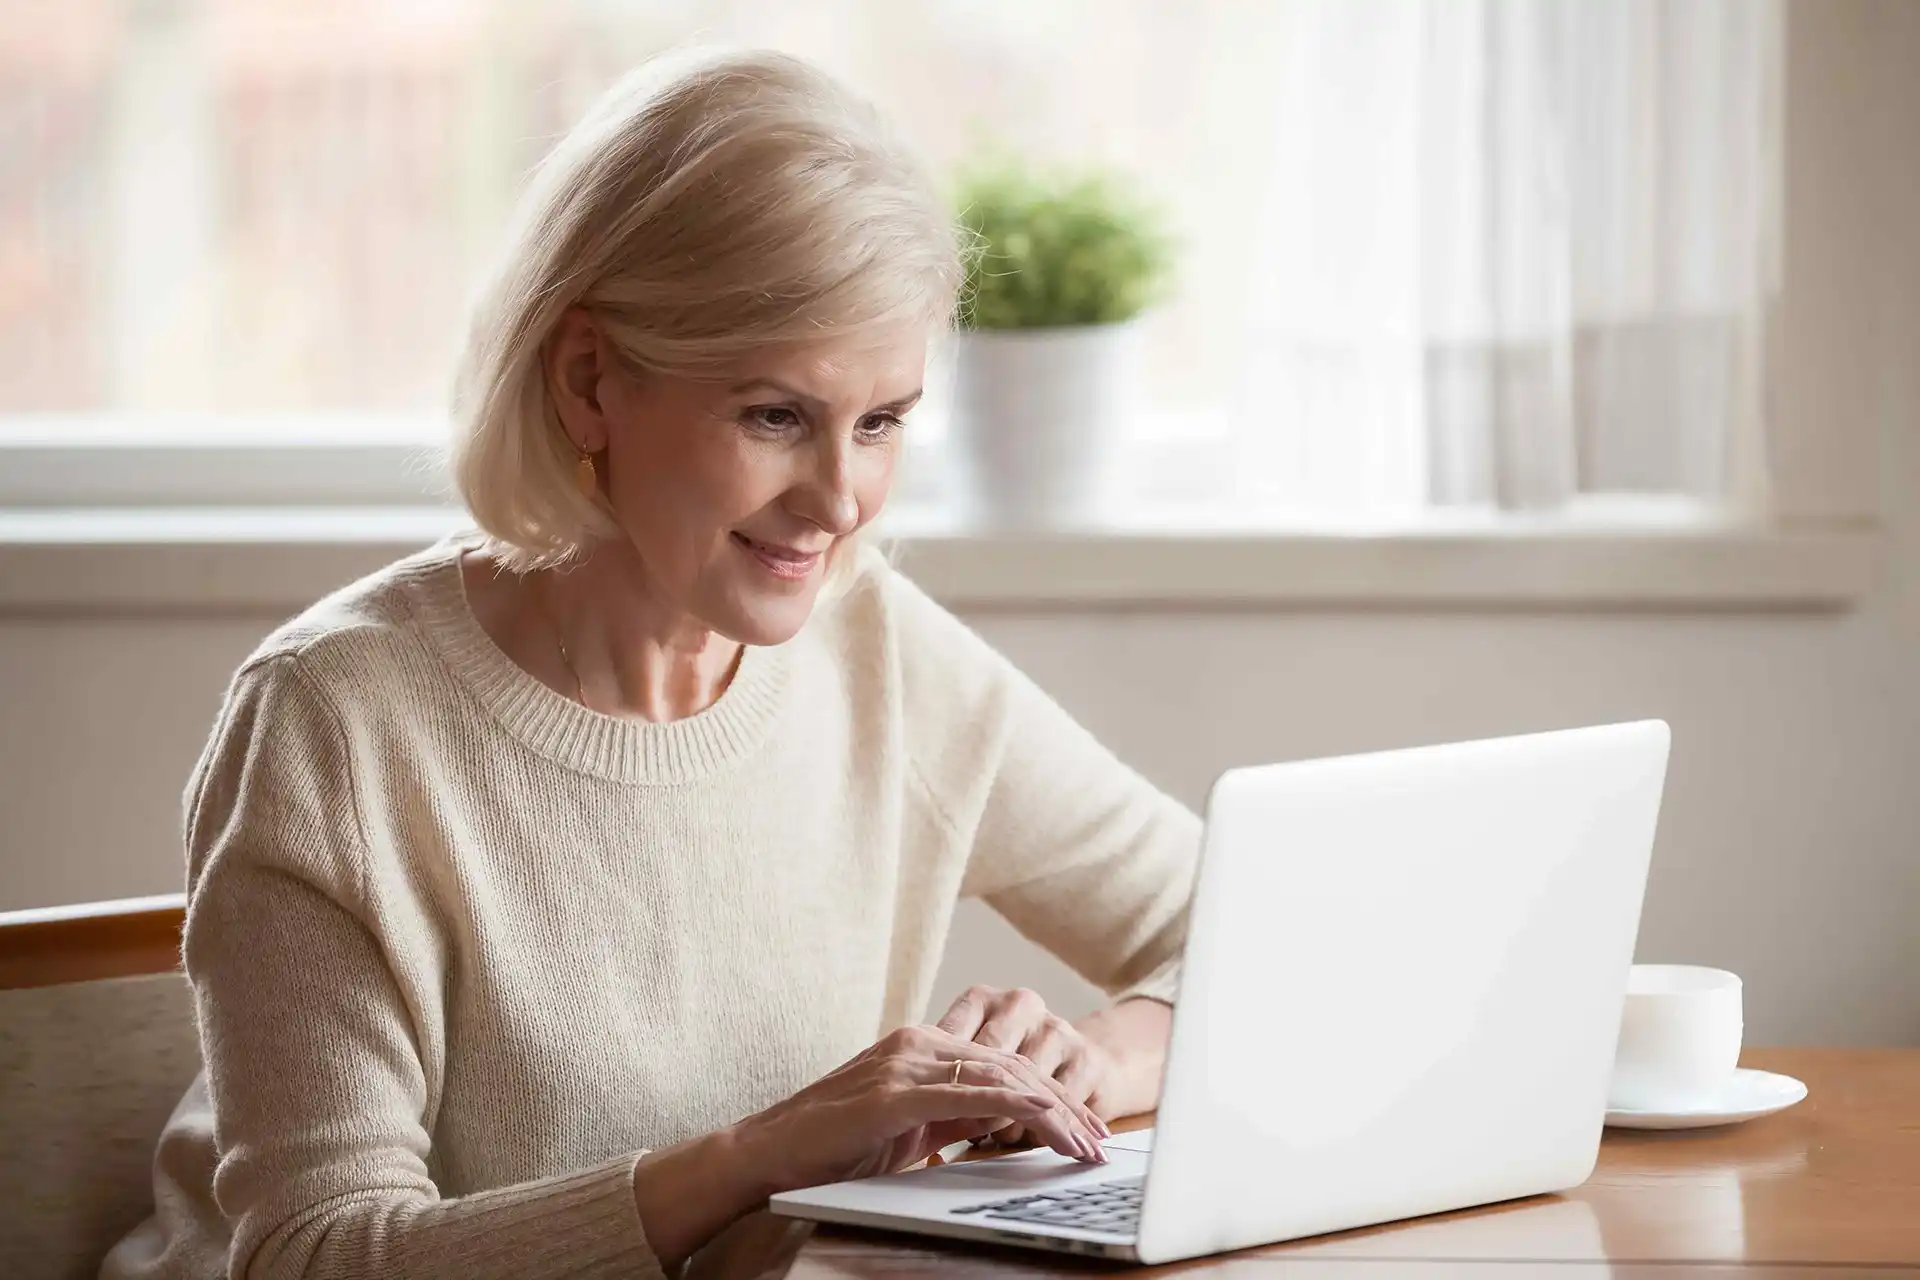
x,y
1745,1096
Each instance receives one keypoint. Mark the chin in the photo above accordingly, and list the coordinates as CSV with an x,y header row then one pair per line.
x,y
763,630
758,606
764,618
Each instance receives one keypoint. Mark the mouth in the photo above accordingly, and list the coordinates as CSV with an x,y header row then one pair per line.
x,y
787,563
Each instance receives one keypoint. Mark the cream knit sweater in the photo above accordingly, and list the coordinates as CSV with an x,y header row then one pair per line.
x,y
463,950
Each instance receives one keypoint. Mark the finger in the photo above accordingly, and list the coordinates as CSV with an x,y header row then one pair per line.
x,y
944,1133
1055,1125
1042,1071
1080,1075
1082,1121
1053,1039
968,1127
1052,1126
1011,1019
1046,1050
964,1015
1057,1050
1008,1134
1078,1104
931,1104
1063,1053
966,1071
1078,1121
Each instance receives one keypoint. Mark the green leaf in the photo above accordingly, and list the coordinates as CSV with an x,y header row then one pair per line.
x,y
1053,250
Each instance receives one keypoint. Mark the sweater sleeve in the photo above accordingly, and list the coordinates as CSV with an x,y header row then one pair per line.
x,y
314,1065
1079,852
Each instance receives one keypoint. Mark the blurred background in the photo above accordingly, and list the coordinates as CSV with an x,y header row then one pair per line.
x,y
1518,365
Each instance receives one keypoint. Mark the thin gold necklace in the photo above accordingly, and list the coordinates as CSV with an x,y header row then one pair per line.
x,y
559,642
579,686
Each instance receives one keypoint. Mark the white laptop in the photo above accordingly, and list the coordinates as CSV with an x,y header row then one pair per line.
x,y
1401,992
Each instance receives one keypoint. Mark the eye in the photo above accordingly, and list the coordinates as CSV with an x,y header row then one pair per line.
x,y
774,419
880,427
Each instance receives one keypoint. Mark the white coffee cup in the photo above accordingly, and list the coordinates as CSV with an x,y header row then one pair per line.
x,y
1679,1037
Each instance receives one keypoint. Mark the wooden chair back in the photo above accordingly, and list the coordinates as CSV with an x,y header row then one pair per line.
x,y
50,946
97,1044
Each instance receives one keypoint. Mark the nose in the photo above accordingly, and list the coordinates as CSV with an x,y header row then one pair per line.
x,y
826,496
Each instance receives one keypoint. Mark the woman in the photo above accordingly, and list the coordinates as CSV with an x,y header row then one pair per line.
x,y
561,892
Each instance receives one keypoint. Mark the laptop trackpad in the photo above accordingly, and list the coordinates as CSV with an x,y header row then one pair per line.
x,y
1007,1171
1027,1167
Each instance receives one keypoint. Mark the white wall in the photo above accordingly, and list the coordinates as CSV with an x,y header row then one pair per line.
x,y
1787,850
1790,844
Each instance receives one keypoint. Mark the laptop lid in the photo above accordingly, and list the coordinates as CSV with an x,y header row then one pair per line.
x,y
1402,985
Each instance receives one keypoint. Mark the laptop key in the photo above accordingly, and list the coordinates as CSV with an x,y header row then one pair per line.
x,y
1102,1206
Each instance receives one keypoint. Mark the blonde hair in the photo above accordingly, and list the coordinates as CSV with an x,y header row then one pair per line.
x,y
711,204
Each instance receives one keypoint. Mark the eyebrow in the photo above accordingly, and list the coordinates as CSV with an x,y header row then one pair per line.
x,y
814,403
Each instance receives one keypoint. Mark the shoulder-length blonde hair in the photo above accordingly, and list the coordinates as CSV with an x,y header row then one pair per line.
x,y
711,204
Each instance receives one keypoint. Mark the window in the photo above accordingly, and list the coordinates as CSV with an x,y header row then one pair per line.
x,y
1496,252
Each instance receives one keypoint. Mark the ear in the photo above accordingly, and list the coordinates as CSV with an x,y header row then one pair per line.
x,y
575,366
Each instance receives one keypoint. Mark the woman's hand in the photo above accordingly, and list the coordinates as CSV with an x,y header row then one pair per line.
x,y
1018,1021
898,1103
886,1110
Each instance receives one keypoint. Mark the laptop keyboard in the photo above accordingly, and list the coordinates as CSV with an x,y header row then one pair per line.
x,y
1109,1207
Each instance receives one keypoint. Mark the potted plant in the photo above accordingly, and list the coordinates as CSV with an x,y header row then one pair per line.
x,y
1047,363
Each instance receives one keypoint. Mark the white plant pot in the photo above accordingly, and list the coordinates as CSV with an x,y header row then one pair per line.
x,y
1038,420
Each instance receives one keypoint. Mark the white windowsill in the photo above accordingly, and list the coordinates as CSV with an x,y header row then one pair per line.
x,y
276,560
117,513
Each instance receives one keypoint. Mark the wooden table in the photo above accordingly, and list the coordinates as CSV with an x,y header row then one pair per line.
x,y
1832,1183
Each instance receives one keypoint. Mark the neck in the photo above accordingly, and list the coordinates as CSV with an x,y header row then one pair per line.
x,y
633,654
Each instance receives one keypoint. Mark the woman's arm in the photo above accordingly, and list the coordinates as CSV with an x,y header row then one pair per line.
x,y
1080,853
1076,850
687,1195
319,1019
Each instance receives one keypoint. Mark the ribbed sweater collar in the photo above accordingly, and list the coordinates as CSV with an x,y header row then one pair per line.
x,y
560,729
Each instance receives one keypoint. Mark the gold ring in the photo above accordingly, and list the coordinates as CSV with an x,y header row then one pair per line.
x,y
957,1064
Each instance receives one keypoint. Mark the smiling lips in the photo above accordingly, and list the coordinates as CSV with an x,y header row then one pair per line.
x,y
782,562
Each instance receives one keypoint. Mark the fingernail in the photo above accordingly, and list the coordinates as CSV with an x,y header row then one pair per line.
x,y
1101,1125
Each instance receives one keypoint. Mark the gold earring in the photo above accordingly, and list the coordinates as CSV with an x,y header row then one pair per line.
x,y
586,476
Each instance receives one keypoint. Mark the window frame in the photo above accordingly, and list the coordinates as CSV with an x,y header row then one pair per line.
x,y
103,512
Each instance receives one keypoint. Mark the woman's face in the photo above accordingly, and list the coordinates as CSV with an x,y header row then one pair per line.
x,y
733,492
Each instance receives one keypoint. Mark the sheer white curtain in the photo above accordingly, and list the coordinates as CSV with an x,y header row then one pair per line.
x,y
1511,251
1430,251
